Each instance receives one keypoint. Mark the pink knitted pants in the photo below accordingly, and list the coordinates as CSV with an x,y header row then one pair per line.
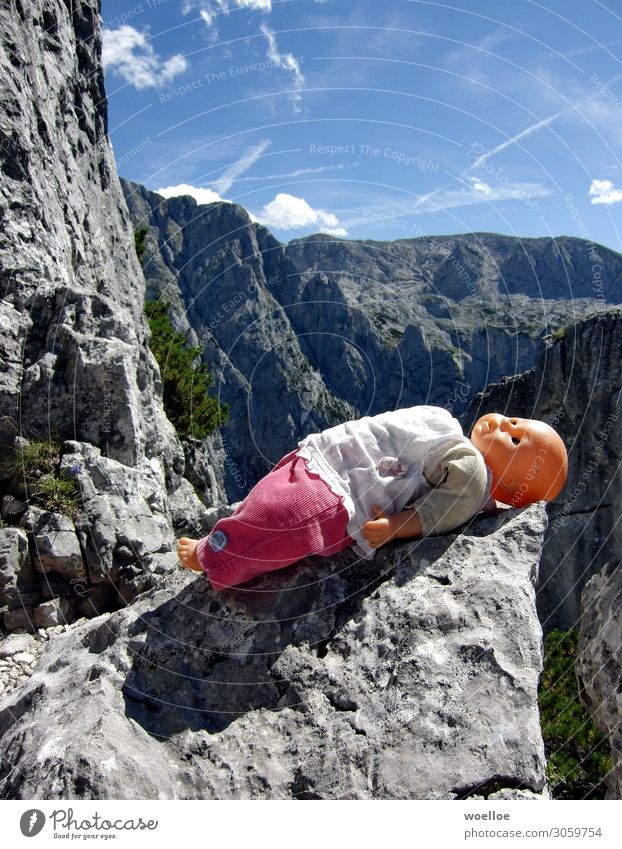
x,y
289,514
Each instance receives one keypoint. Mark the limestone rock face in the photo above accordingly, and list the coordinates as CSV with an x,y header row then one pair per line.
x,y
120,542
56,545
411,676
599,665
125,525
18,583
576,386
73,338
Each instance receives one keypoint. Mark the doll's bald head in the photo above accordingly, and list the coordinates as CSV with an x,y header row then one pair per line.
x,y
527,458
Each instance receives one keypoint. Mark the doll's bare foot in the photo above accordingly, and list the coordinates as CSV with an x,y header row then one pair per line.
x,y
187,553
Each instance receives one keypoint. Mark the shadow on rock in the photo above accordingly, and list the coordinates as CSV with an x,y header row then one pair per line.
x,y
203,658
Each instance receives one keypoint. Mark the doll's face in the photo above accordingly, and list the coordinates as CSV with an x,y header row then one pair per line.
x,y
527,457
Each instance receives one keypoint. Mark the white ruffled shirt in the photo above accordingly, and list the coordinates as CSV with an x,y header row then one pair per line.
x,y
415,457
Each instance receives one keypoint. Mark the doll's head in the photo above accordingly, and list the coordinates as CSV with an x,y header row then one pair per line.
x,y
527,458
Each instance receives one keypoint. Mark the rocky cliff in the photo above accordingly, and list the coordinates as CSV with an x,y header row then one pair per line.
x,y
599,665
304,335
74,358
576,385
73,334
410,677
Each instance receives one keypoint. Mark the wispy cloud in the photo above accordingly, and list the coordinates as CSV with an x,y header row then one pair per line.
x,y
603,191
246,161
300,172
480,48
285,61
223,7
439,199
127,52
474,60
509,142
215,192
581,51
288,212
210,10
478,192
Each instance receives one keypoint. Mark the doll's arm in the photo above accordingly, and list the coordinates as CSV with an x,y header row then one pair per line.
x,y
460,484
460,489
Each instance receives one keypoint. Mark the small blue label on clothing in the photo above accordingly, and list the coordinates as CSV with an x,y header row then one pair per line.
x,y
217,540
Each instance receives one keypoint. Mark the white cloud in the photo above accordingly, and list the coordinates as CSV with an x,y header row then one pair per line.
x,y
260,5
287,212
246,161
199,194
127,52
224,182
480,186
603,191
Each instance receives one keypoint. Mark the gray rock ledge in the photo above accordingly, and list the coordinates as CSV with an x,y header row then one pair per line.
x,y
410,677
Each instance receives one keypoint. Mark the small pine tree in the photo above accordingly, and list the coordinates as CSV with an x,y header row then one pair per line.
x,y
139,242
186,399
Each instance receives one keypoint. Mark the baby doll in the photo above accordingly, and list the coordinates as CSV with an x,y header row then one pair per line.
x,y
405,473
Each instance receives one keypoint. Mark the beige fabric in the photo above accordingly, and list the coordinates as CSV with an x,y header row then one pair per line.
x,y
460,482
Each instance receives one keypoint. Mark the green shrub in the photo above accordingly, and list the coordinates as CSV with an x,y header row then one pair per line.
x,y
577,753
139,242
34,469
186,400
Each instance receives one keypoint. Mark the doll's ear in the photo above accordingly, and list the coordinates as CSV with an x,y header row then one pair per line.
x,y
507,486
510,484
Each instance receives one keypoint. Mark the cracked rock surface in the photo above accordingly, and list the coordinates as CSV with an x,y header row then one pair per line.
x,y
411,676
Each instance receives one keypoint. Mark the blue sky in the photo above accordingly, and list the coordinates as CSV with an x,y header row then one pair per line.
x,y
375,120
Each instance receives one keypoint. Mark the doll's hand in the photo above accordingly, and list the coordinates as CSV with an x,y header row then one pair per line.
x,y
378,530
391,466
